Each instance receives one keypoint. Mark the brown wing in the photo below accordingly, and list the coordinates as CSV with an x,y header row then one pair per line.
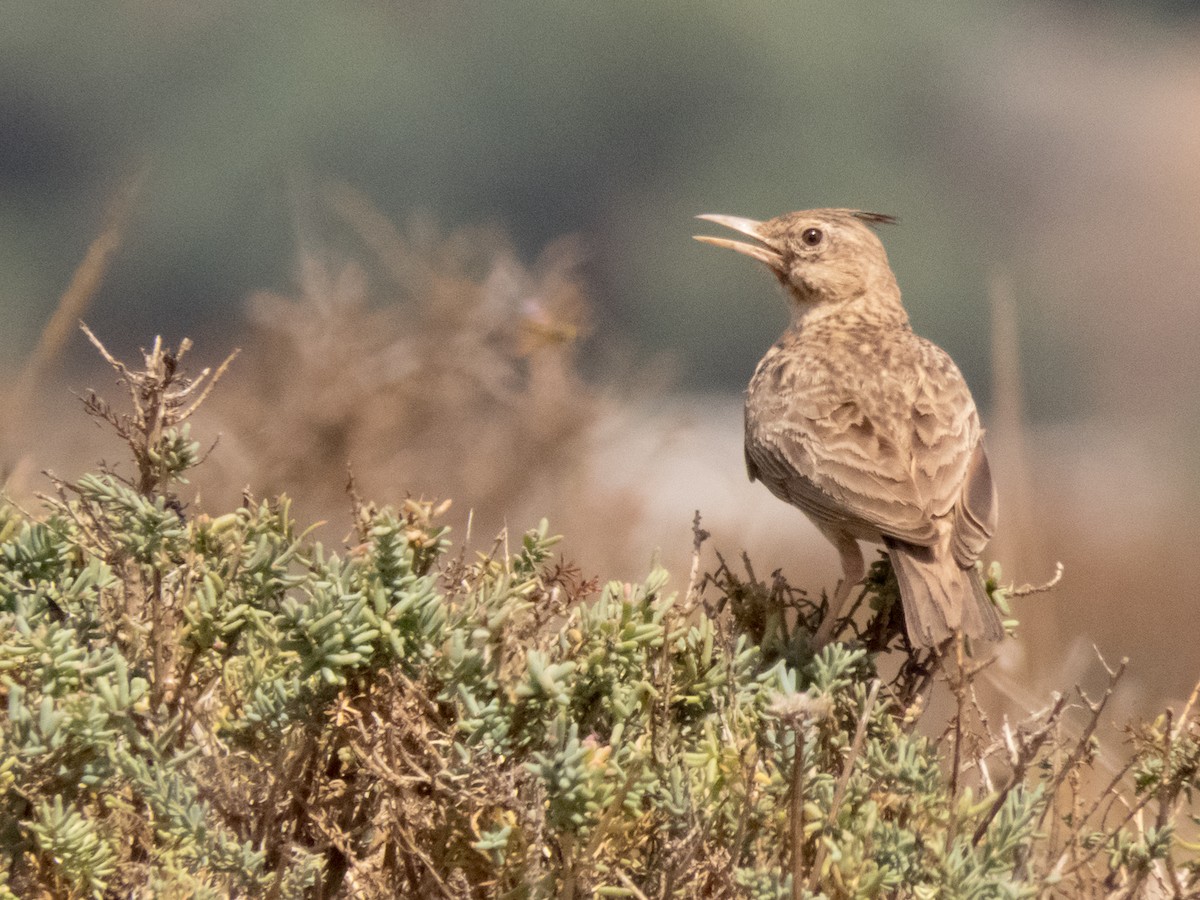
x,y
886,451
946,431
976,513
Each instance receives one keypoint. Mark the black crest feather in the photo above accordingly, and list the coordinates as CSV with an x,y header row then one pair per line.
x,y
874,218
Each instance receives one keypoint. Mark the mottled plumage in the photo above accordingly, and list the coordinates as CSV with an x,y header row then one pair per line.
x,y
866,427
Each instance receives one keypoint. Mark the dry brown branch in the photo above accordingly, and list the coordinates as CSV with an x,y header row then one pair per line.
x,y
843,782
1095,710
1184,715
695,581
629,885
159,394
1027,589
1023,750
85,281
796,711
739,840
959,686
796,817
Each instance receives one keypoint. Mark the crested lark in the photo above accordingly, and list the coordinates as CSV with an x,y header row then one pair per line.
x,y
869,429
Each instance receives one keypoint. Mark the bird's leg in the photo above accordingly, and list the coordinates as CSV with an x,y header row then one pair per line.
x,y
853,570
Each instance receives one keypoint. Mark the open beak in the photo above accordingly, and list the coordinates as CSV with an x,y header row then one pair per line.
x,y
765,251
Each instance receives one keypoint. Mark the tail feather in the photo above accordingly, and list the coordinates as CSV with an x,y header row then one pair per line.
x,y
940,597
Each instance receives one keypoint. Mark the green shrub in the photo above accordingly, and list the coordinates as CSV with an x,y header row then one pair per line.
x,y
220,706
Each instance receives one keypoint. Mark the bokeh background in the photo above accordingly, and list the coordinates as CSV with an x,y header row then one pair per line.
x,y
453,242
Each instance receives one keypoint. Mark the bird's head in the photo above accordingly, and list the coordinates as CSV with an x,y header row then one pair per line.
x,y
820,256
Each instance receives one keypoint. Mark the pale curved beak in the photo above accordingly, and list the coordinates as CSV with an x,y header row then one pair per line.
x,y
764,251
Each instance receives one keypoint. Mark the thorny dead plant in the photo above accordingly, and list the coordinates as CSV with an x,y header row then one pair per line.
x,y
163,397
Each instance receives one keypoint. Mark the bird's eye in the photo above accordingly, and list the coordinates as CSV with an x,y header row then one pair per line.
x,y
812,236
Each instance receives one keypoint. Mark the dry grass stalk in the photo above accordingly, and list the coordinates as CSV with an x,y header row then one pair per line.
x,y
85,281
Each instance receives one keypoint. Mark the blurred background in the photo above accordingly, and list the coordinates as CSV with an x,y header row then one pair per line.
x,y
453,241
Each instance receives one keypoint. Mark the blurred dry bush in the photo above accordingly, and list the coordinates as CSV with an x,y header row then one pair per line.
x,y
435,365
443,366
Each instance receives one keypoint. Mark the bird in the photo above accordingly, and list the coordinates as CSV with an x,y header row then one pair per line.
x,y
866,427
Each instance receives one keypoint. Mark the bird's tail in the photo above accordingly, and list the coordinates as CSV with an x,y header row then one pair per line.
x,y
940,597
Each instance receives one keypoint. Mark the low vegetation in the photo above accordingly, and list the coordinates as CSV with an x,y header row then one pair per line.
x,y
205,705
